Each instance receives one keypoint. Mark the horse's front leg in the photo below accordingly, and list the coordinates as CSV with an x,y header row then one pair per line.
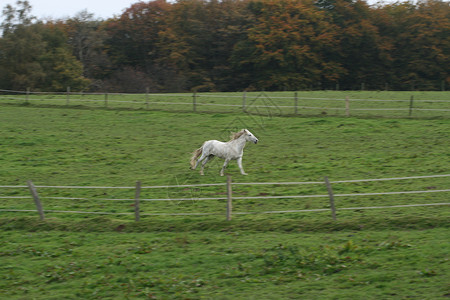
x,y
224,166
239,162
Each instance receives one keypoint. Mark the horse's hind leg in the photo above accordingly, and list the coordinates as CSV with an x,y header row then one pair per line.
x,y
208,158
199,160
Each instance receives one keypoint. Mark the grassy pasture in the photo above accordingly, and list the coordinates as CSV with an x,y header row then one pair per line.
x,y
375,254
96,147
231,264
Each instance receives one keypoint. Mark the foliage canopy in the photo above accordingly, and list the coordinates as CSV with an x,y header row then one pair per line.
x,y
231,45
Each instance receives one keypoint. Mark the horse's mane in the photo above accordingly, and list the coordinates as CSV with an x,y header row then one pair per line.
x,y
236,135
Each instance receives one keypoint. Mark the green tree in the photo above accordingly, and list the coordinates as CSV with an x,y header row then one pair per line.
x,y
35,55
133,37
361,51
132,43
20,48
184,42
421,45
61,68
198,42
228,21
86,37
15,17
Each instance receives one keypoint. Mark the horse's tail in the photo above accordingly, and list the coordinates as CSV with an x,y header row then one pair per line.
x,y
195,155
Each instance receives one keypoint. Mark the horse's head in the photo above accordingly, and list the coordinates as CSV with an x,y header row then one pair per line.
x,y
249,137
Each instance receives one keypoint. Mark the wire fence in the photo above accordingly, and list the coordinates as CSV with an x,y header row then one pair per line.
x,y
229,189
265,103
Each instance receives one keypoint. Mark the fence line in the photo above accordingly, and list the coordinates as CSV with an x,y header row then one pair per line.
x,y
328,99
243,197
262,106
342,181
209,95
34,192
283,108
342,208
336,195
392,178
114,187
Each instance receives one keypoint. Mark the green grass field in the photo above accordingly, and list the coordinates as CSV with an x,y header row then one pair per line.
x,y
229,264
395,253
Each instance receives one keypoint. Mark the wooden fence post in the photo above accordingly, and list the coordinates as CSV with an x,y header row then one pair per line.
x,y
411,100
194,101
330,193
296,103
137,196
27,97
229,198
68,95
347,106
244,98
106,99
37,201
147,90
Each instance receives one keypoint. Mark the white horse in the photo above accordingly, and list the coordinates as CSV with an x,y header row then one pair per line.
x,y
233,149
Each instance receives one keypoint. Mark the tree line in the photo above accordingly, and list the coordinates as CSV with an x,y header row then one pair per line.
x,y
230,45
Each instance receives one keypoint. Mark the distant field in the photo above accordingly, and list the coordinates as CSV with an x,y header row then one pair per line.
x,y
376,254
